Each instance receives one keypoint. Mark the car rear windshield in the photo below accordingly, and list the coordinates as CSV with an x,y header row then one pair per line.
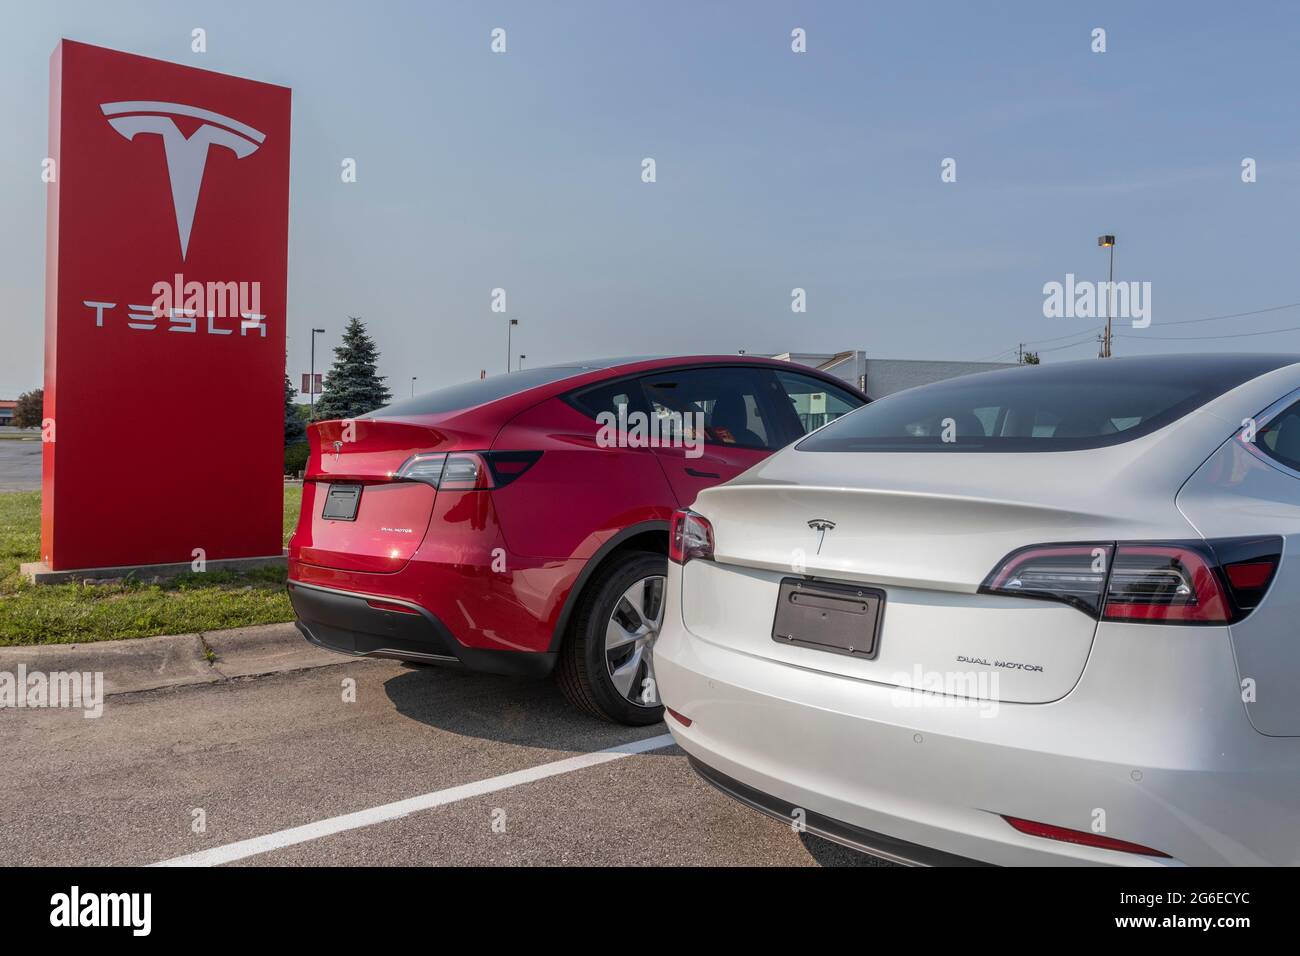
x,y
469,394
1042,408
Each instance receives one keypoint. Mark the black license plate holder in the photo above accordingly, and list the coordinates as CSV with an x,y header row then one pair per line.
x,y
829,616
341,502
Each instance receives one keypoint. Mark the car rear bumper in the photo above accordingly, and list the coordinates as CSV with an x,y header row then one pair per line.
x,y
1167,761
364,625
877,844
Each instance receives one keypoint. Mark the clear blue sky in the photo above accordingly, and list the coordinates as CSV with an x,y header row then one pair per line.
x,y
775,170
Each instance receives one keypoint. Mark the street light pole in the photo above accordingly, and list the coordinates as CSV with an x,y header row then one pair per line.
x,y
311,381
413,378
522,356
509,326
1108,242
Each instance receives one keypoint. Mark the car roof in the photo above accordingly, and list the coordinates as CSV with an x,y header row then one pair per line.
x,y
673,360
609,362
1234,367
579,375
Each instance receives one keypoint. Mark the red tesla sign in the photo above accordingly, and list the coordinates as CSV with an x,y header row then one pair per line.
x,y
166,256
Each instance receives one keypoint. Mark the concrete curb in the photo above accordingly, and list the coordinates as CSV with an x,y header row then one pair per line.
x,y
38,572
149,663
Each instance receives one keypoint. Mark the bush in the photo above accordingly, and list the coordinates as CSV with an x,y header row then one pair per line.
x,y
295,458
30,410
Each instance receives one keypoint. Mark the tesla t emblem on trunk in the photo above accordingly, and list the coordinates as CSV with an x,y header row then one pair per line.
x,y
338,447
821,526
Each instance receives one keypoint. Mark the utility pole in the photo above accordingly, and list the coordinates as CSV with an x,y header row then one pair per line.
x,y
1108,242
1020,354
522,356
413,378
509,326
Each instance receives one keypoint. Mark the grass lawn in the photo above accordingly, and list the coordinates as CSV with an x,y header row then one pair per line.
x,y
77,613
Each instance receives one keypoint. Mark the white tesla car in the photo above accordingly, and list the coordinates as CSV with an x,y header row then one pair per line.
x,y
1042,615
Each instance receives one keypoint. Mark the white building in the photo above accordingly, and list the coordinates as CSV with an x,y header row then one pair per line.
x,y
881,377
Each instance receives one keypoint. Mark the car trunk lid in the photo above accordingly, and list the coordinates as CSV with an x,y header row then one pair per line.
x,y
388,519
926,534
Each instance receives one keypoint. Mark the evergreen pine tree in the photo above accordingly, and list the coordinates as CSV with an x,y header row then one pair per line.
x,y
294,428
353,386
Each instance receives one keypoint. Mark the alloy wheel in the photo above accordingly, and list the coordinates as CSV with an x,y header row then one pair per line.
x,y
629,640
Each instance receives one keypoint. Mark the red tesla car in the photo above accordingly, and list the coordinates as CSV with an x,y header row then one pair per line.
x,y
519,524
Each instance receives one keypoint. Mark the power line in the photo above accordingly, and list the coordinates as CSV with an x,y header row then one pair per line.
x,y
1087,336
1168,338
1235,315
1056,338
1070,345
1194,338
1069,336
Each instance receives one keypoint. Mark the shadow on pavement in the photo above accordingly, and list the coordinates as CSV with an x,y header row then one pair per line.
x,y
527,713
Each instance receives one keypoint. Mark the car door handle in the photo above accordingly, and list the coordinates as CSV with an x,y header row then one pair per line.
x,y
701,474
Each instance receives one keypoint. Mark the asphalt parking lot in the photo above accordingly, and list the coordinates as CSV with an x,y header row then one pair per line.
x,y
281,770
20,463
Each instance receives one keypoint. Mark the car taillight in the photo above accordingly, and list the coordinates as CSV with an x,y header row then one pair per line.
x,y
1081,837
1072,573
1249,564
1250,575
506,466
390,606
464,471
1165,582
680,718
1168,583
467,470
426,468
690,536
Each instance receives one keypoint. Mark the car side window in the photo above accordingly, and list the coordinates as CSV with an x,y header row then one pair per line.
x,y
815,402
620,398
1280,438
733,403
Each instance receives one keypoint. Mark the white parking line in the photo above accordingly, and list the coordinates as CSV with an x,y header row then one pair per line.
x,y
391,811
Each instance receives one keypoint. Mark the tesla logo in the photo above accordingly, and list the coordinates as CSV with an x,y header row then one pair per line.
x,y
821,526
186,155
338,447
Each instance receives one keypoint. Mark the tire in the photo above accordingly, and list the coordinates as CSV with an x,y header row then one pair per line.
x,y
587,657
